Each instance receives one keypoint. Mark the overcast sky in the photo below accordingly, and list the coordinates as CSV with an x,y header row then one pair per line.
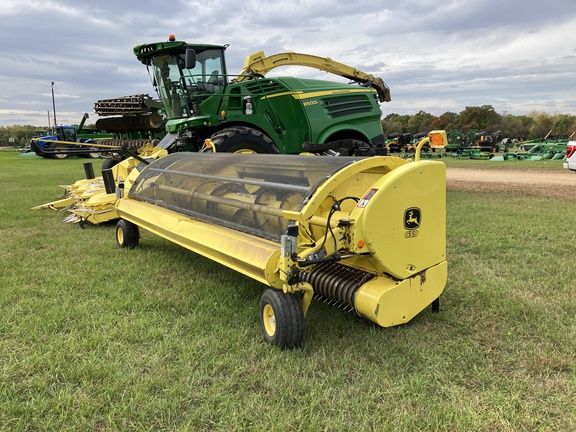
x,y
516,55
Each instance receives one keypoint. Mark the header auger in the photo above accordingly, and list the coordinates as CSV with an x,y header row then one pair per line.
x,y
367,234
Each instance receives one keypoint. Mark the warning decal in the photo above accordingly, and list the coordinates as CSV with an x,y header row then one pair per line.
x,y
366,198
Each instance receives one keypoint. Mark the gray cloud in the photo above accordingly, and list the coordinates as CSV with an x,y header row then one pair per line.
x,y
436,56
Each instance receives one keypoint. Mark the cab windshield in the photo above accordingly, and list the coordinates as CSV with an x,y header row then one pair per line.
x,y
66,133
182,89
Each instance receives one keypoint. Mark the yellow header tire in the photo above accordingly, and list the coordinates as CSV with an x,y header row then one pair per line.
x,y
127,234
282,319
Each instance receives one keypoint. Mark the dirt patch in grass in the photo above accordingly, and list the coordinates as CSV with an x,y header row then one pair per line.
x,y
553,184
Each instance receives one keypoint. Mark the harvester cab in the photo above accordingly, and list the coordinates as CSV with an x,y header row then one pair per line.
x,y
184,81
249,112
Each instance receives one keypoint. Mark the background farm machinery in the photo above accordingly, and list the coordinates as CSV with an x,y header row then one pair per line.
x,y
549,147
127,121
480,145
474,144
66,140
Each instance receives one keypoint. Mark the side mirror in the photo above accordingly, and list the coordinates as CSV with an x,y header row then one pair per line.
x,y
438,139
190,58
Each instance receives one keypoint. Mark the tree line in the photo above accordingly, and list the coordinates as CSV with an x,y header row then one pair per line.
x,y
523,127
484,118
18,136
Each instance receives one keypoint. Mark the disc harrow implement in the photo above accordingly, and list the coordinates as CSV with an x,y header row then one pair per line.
x,y
134,104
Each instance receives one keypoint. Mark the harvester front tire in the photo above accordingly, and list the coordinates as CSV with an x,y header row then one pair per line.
x,y
127,234
242,139
281,319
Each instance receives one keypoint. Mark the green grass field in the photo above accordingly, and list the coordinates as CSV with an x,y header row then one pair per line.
x,y
97,338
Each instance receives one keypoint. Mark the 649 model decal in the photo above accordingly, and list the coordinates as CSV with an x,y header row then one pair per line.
x,y
412,221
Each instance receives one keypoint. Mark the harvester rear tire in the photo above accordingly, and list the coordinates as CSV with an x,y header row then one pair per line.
x,y
282,319
242,139
127,234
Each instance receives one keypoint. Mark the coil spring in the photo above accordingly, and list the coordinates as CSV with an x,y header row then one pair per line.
x,y
336,284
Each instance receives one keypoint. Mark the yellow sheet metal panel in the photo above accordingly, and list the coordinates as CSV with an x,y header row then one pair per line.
x,y
252,256
401,219
350,180
55,205
97,209
387,302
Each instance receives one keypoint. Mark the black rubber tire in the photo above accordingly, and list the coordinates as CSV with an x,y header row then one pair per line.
x,y
242,139
281,319
127,234
362,145
93,155
108,163
58,155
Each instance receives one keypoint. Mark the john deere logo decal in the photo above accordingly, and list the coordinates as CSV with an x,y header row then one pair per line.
x,y
412,218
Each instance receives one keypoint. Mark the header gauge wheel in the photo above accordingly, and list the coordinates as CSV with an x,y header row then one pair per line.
x,y
281,319
127,234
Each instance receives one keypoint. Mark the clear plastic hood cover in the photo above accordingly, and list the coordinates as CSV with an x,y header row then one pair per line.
x,y
239,191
